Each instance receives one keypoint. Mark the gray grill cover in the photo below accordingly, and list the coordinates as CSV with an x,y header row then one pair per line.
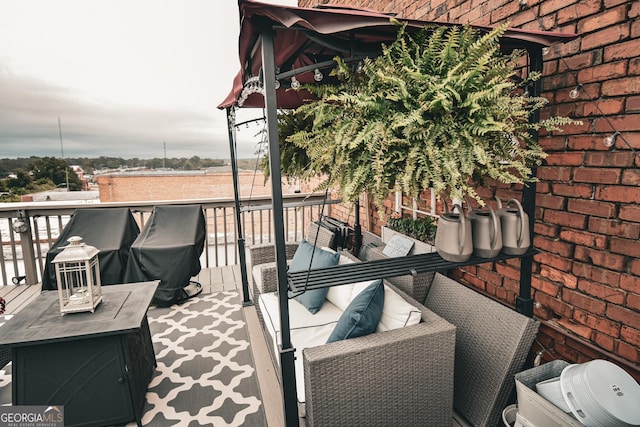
x,y
168,249
111,230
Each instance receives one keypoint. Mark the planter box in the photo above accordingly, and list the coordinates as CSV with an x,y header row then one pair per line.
x,y
419,247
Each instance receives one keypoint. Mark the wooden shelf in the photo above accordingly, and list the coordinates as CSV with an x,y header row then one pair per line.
x,y
390,267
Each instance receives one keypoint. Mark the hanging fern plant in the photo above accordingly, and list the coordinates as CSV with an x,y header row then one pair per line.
x,y
439,109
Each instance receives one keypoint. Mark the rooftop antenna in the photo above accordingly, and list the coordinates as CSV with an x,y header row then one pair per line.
x,y
66,168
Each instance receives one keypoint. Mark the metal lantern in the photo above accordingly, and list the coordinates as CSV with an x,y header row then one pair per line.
x,y
78,277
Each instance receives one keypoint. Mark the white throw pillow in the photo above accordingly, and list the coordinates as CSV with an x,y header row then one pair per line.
x,y
397,313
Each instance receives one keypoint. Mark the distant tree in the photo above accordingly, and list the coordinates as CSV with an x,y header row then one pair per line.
x,y
57,171
22,180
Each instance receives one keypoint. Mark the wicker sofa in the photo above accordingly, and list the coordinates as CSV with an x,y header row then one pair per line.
x,y
402,376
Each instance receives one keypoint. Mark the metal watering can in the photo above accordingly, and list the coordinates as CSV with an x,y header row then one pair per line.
x,y
486,231
515,228
453,235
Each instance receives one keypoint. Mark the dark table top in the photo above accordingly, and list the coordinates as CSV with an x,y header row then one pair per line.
x,y
122,310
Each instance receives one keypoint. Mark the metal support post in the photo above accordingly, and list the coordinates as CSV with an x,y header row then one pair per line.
x,y
236,197
287,351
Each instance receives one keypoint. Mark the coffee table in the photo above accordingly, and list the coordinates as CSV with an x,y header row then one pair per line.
x,y
97,365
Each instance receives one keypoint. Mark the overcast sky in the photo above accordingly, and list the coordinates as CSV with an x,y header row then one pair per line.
x,y
124,77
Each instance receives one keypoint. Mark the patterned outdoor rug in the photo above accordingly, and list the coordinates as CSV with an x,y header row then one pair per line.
x,y
205,374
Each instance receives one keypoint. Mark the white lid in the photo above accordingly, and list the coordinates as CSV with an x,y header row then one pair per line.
x,y
600,393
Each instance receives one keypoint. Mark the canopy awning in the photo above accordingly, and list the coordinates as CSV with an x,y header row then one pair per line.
x,y
308,37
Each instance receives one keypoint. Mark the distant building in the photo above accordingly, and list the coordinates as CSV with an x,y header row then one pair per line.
x,y
62,195
176,185
80,172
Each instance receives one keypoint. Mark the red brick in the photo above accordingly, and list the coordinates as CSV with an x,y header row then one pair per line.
x,y
600,258
565,159
606,71
567,279
606,36
597,175
565,352
553,246
550,67
633,302
622,50
630,283
630,247
584,142
490,276
631,177
619,87
618,193
591,207
556,305
550,173
614,228
634,267
585,352
508,271
555,261
573,13
604,19
634,12
584,302
624,316
576,328
545,286
629,352
634,66
597,323
630,213
611,3
602,292
572,190
550,201
609,159
604,341
602,275
565,218
630,335
583,238
548,6
601,107
635,29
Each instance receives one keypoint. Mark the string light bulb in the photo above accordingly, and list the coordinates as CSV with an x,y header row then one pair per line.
x,y
575,92
523,2
546,50
359,67
610,140
317,75
277,84
295,84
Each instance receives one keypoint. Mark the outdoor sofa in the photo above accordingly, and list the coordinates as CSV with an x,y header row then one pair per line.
x,y
401,376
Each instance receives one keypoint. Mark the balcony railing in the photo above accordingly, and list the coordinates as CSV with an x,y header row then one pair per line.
x,y
28,229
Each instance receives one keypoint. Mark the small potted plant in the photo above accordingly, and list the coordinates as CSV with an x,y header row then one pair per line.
x,y
421,231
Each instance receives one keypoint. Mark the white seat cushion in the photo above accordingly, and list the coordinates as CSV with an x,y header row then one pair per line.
x,y
307,330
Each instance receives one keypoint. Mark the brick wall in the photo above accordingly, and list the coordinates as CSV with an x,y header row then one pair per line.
x,y
586,281
127,187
